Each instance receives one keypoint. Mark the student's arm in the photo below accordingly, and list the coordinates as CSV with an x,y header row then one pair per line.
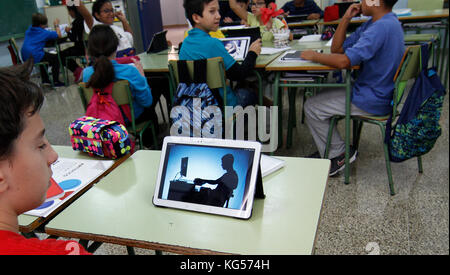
x,y
239,72
88,18
336,60
341,31
56,26
242,13
126,26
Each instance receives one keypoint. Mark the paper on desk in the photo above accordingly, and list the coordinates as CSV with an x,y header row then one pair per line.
x,y
72,175
329,43
270,165
269,51
310,38
402,12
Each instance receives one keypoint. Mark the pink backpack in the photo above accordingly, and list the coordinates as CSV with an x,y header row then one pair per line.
x,y
103,106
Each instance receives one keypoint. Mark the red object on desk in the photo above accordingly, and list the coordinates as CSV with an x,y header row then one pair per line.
x,y
331,13
54,191
270,12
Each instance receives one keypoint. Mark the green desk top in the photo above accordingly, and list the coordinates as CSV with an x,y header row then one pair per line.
x,y
414,16
279,65
119,210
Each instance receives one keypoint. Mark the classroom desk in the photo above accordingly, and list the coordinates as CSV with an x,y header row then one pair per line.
x,y
278,66
28,223
416,16
285,222
158,63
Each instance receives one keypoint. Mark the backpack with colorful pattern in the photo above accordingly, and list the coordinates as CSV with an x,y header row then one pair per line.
x,y
99,137
417,127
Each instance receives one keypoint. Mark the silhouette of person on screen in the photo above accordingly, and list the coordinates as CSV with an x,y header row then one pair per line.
x,y
225,184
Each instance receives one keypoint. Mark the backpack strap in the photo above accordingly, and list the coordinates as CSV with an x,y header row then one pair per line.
x,y
200,71
183,72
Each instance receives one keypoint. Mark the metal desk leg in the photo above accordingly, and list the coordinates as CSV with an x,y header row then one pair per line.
x,y
275,103
260,88
347,125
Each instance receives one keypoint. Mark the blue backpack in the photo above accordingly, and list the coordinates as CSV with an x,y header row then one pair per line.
x,y
189,89
417,127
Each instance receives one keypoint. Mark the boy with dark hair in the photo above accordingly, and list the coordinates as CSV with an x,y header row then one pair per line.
x,y
377,46
303,7
204,17
25,159
33,46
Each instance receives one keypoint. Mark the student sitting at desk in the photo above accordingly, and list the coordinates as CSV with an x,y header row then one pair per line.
x,y
75,34
303,7
102,46
377,46
25,159
33,46
253,18
204,17
103,13
230,16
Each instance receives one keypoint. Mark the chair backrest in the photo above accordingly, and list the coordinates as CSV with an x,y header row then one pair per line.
x,y
13,44
121,93
215,77
409,68
418,5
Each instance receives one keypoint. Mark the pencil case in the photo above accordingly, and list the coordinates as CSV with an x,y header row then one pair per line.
x,y
99,137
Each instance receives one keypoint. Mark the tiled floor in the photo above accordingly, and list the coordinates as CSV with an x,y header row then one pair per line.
x,y
359,218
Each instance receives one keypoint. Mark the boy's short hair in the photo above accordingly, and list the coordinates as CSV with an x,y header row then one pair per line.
x,y
20,97
192,7
390,3
38,19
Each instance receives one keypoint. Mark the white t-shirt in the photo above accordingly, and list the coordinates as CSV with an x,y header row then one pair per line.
x,y
125,38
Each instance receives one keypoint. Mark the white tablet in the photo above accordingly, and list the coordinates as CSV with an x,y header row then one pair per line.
x,y
213,176
237,47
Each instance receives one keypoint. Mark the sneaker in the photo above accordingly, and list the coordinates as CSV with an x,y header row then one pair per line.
x,y
59,84
315,155
338,163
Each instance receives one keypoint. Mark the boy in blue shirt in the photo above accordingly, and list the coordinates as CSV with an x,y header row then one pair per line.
x,y
377,47
204,17
33,46
303,7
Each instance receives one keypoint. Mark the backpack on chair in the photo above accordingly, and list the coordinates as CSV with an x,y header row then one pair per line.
x,y
188,90
417,127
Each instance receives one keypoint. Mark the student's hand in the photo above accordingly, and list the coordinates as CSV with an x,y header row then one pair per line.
x,y
68,29
313,16
308,55
120,16
227,20
256,46
56,22
352,11
138,65
244,22
286,14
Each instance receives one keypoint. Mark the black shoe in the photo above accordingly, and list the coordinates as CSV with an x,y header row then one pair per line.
x,y
315,155
59,84
338,163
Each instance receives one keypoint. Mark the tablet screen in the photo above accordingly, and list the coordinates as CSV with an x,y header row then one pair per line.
x,y
208,178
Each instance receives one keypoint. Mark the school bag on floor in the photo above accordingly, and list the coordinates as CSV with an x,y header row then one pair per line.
x,y
188,90
417,127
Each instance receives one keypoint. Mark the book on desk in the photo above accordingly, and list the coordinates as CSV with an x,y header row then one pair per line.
x,y
71,176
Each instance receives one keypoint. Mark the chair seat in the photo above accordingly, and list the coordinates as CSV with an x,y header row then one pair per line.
x,y
378,118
